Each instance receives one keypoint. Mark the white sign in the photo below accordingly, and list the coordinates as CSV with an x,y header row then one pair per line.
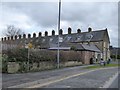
x,y
60,39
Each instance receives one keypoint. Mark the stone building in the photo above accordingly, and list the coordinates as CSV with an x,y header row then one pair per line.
x,y
91,43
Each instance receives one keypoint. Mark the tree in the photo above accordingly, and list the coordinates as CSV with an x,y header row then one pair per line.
x,y
12,31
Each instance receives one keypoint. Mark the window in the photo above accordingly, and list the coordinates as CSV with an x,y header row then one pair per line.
x,y
51,39
78,38
89,37
68,38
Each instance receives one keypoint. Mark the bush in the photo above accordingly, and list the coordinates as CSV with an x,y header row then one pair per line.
x,y
23,67
4,63
38,56
114,56
18,55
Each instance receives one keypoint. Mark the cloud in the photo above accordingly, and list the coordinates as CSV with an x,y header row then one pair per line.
x,y
43,16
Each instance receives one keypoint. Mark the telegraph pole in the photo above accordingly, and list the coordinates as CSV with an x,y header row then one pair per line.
x,y
58,53
116,54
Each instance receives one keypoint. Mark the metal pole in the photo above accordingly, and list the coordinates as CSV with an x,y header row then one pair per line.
x,y
58,54
28,58
116,54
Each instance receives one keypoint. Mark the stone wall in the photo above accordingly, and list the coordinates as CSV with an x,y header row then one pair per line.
x,y
13,67
86,56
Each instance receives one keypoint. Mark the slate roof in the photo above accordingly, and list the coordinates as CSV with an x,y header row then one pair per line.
x,y
79,37
90,47
51,41
83,47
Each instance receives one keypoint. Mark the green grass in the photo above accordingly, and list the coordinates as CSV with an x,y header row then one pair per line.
x,y
98,66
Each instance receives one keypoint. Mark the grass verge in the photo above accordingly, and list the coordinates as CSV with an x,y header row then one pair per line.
x,y
98,66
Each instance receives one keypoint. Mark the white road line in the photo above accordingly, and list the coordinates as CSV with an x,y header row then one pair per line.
x,y
111,80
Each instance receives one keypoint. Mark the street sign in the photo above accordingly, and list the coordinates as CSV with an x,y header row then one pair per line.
x,y
30,45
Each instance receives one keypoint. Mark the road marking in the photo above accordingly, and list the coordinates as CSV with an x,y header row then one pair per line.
x,y
110,81
64,78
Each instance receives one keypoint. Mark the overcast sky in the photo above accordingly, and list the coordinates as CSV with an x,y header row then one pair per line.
x,y
42,16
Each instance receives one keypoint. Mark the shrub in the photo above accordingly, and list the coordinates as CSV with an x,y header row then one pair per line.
x,y
4,63
23,67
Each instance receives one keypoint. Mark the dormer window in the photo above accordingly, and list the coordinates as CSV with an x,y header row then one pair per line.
x,y
51,39
89,37
78,38
68,38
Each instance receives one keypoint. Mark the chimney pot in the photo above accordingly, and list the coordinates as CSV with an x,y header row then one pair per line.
x,y
53,32
11,37
8,38
106,29
46,33
15,37
29,35
2,39
69,30
24,35
89,29
78,31
19,36
34,35
60,32
40,34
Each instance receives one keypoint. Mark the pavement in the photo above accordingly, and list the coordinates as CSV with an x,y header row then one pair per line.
x,y
72,77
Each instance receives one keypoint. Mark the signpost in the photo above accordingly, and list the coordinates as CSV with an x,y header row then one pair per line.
x,y
58,34
29,47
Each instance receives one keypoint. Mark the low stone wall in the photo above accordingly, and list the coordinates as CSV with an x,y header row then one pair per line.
x,y
73,63
13,67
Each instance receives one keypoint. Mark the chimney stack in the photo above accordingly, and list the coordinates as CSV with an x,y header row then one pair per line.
x,y
29,35
69,30
40,34
24,35
46,33
11,37
2,39
8,38
106,29
78,31
60,32
15,37
34,35
89,29
53,32
19,36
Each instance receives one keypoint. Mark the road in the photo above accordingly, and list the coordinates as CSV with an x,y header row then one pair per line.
x,y
75,77
94,79
115,83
